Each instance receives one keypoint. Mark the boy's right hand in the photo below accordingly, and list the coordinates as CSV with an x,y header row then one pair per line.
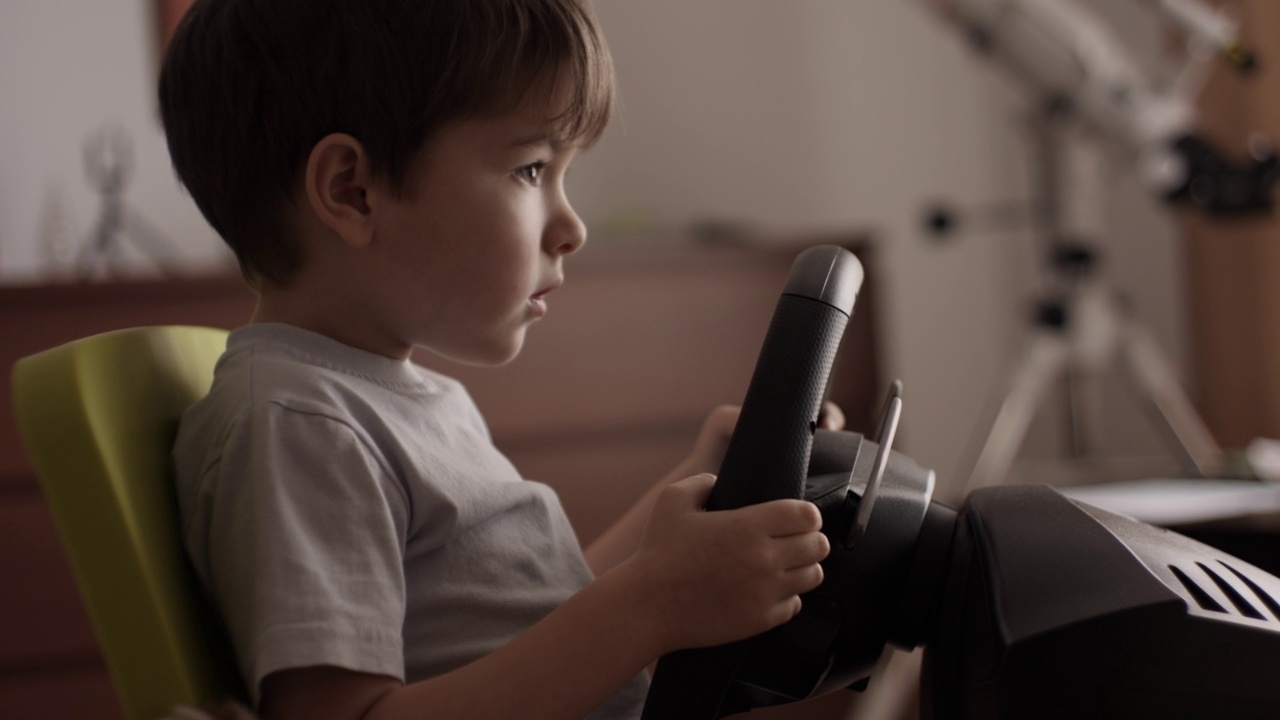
x,y
714,577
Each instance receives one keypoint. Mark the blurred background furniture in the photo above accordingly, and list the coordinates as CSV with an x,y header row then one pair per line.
x,y
1232,265
641,342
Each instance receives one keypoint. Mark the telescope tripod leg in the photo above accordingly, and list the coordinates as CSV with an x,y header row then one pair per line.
x,y
1085,413
1045,359
1153,375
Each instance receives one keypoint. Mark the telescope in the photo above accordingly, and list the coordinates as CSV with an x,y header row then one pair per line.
x,y
1078,71
1089,92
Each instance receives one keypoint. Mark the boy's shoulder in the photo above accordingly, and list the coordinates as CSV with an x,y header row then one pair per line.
x,y
274,362
296,386
269,370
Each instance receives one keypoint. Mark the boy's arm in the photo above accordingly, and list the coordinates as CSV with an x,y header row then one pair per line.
x,y
563,667
697,579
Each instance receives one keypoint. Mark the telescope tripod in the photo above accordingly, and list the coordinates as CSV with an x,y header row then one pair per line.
x,y
1076,336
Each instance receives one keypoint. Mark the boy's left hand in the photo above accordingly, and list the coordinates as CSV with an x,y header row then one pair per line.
x,y
621,539
717,429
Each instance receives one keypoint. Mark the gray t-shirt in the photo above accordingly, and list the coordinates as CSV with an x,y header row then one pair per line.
x,y
348,509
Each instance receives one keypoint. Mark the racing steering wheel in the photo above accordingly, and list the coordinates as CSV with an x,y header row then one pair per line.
x,y
777,452
1031,605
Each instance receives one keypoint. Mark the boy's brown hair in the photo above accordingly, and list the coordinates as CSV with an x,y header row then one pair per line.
x,y
248,87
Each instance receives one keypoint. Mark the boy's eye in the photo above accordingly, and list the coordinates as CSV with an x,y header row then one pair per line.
x,y
532,172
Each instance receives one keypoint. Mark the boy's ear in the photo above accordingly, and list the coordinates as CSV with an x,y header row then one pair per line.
x,y
338,183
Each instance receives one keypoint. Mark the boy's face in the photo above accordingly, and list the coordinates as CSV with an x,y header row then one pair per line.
x,y
468,253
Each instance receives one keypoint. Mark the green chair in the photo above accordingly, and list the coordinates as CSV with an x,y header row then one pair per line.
x,y
98,417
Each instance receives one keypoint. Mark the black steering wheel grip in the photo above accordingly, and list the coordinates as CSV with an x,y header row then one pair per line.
x,y
768,455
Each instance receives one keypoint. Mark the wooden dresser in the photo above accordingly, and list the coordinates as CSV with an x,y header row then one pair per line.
x,y
641,342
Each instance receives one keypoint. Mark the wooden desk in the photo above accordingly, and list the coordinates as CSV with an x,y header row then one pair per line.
x,y
640,344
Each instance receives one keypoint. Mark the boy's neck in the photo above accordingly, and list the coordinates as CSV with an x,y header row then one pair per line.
x,y
326,311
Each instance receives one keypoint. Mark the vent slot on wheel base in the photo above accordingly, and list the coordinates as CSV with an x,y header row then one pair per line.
x,y
1202,598
1242,605
1270,602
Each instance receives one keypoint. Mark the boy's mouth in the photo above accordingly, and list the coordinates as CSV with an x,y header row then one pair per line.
x,y
537,301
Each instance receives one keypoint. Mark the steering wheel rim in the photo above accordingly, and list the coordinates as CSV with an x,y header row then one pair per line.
x,y
768,455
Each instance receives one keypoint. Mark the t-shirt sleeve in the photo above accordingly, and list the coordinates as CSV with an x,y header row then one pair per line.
x,y
306,536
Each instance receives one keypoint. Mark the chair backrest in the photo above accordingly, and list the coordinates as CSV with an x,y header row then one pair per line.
x,y
98,417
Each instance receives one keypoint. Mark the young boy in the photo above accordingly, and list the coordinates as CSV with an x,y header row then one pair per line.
x,y
390,176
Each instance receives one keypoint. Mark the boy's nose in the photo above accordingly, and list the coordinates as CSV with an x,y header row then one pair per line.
x,y
566,232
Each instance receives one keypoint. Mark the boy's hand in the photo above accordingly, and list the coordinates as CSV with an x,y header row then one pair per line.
x,y
830,417
713,440
717,429
623,537
715,577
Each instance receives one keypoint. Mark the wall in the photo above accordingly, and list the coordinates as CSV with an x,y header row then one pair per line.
x,y
790,117
67,68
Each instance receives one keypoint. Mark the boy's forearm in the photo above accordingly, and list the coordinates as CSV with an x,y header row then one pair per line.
x,y
563,667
